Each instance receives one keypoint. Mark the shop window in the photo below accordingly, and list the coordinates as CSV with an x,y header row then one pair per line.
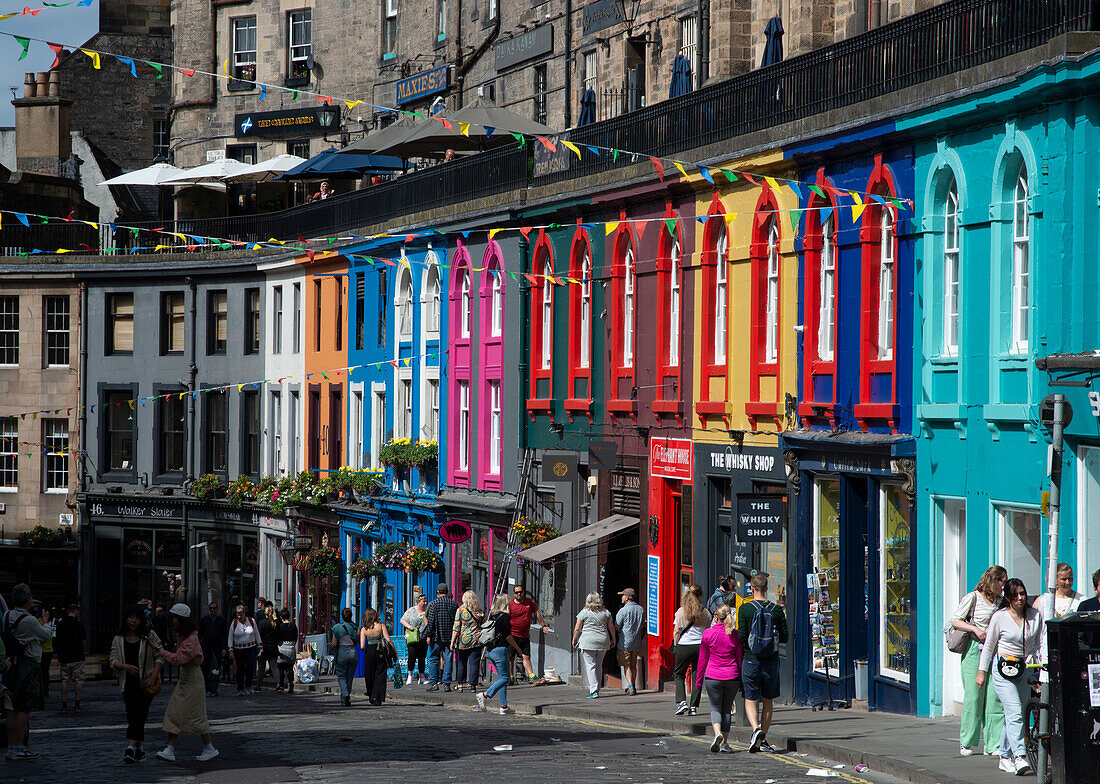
x,y
894,579
57,330
541,292
825,598
579,397
950,343
1021,545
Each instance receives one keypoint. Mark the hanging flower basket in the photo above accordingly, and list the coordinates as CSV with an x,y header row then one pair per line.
x,y
404,453
207,486
532,532
325,562
240,490
364,569
421,559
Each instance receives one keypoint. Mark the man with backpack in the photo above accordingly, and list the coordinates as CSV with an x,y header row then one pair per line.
x,y
725,593
761,627
23,636
440,619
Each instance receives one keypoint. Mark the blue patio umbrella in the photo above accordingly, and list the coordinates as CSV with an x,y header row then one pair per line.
x,y
328,164
681,77
588,108
773,46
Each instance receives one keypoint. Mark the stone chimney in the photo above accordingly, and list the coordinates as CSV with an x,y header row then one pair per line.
x,y
42,140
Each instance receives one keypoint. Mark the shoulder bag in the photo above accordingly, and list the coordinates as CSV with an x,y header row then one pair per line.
x,y
154,690
958,640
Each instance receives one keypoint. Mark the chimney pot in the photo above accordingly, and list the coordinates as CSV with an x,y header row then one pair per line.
x,y
28,86
43,80
55,84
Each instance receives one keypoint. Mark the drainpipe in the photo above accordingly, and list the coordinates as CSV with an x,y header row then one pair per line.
x,y
464,66
213,99
193,372
703,38
568,63
83,316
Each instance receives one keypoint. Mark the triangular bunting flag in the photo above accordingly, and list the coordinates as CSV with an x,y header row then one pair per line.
x,y
572,147
858,207
705,172
156,67
547,143
57,50
660,167
519,138
817,191
731,176
609,228
263,91
352,104
187,71
526,232
24,42
825,214
670,224
464,128
772,183
489,130
680,166
129,63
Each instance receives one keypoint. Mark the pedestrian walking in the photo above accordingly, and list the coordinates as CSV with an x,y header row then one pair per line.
x,y
688,624
465,641
594,635
375,641
1064,600
629,623
1015,638
243,642
269,646
344,635
725,593
440,619
981,710
69,639
134,658
213,634
186,711
523,610
719,672
415,623
43,615
1092,604
498,640
25,678
288,651
762,628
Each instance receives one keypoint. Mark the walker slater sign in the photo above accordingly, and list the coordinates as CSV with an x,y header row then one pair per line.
x,y
533,43
292,122
760,518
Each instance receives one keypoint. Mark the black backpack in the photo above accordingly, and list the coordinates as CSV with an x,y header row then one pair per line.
x,y
13,649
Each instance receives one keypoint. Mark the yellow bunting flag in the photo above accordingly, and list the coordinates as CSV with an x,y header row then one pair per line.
x,y
63,250
240,387
464,128
772,183
408,361
352,104
93,224
405,261
225,68
857,208
609,227
494,232
572,147
681,168
730,216
95,57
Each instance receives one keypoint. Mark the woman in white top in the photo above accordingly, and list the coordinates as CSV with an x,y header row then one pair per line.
x,y
1066,600
244,646
1017,637
980,706
688,625
594,635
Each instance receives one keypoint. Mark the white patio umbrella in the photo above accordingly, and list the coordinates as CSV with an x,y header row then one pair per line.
x,y
214,172
267,170
157,174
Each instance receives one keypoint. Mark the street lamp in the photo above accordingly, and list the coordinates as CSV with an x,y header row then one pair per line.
x,y
629,11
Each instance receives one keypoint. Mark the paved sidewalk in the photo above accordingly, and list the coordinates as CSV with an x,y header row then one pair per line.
x,y
922,751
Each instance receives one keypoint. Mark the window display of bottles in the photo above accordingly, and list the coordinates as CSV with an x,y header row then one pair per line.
x,y
895,573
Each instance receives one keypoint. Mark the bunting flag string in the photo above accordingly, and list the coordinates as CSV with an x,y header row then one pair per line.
x,y
705,172
90,409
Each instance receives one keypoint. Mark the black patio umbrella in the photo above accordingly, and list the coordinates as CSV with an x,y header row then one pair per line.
x,y
773,46
588,108
382,137
331,164
681,77
489,125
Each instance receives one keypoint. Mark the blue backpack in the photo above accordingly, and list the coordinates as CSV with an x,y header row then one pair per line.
x,y
762,631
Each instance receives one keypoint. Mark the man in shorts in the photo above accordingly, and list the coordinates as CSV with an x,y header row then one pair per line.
x,y
630,623
522,609
759,672
69,646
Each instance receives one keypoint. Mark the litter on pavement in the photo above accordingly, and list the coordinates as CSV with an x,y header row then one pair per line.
x,y
822,773
862,769
505,747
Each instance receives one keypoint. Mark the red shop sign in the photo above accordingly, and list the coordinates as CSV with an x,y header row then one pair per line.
x,y
455,531
671,458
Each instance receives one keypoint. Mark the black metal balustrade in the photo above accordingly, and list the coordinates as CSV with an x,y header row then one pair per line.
x,y
942,40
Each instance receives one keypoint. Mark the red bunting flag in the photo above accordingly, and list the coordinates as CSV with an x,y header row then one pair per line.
x,y
325,99
660,167
57,49
309,255
547,143
410,237
526,232
188,71
749,178
531,279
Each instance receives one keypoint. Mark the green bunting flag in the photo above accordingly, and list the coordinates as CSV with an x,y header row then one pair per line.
x,y
796,217
24,42
614,155
729,175
670,224
817,191
158,68
519,138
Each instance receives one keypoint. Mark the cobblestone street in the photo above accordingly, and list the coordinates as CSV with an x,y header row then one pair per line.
x,y
274,738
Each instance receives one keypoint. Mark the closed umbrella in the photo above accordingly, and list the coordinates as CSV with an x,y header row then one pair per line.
x,y
773,42
157,174
265,171
214,172
681,77
588,108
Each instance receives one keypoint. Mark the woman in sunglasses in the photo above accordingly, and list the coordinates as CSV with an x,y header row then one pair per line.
x,y
1015,638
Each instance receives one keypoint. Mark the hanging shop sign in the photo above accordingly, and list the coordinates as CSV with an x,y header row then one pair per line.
x,y
533,43
291,122
455,531
671,458
600,15
760,518
602,455
559,466
423,84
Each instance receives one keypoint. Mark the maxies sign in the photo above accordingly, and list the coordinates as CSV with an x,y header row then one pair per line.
x,y
425,83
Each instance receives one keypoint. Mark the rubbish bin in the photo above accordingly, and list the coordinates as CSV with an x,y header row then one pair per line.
x,y
861,674
1074,644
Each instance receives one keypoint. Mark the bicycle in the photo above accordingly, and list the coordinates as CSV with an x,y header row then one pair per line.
x,y
1032,736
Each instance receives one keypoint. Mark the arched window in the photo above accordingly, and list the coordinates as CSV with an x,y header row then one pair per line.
x,y
628,310
464,303
674,306
826,316
496,303
431,297
584,350
951,272
547,343
885,334
771,297
540,396
721,300
404,304
1021,265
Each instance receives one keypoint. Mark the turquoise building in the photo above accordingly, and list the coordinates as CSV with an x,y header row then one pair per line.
x,y
1006,270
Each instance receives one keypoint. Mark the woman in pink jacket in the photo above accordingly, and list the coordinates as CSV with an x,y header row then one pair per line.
x,y
719,671
186,712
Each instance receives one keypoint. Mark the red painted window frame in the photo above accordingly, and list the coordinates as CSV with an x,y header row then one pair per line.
x,y
880,183
767,210
575,406
536,404
665,402
625,239
705,407
812,364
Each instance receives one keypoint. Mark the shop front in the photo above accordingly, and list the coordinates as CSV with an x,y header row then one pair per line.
x,y
474,530
853,616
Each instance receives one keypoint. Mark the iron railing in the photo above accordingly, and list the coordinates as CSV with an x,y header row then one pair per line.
x,y
946,39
